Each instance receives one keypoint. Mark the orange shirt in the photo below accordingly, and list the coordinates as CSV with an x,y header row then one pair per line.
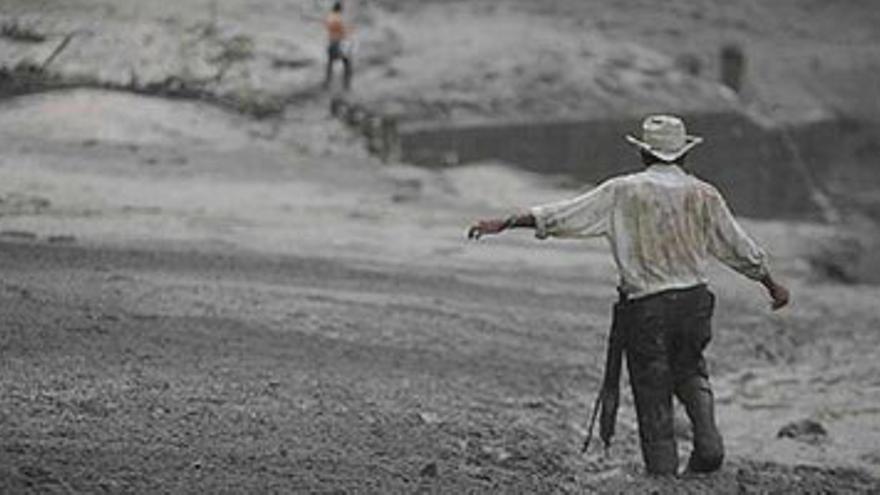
x,y
335,27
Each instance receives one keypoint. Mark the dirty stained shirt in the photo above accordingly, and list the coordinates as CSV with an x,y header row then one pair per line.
x,y
663,225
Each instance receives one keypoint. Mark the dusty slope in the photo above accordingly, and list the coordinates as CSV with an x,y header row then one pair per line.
x,y
460,63
452,62
263,307
805,59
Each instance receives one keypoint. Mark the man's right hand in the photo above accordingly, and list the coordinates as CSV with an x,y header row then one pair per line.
x,y
485,227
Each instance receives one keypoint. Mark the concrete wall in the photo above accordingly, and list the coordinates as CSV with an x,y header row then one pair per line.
x,y
753,166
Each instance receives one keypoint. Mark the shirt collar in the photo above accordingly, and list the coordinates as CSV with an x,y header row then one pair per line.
x,y
665,169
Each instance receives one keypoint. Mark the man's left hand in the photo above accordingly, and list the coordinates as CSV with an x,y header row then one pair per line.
x,y
780,296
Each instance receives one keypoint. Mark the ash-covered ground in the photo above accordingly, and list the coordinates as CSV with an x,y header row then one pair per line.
x,y
209,286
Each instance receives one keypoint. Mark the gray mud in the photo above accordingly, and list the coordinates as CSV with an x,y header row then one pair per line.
x,y
129,371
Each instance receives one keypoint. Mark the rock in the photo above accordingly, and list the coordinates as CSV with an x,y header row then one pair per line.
x,y
497,454
430,470
805,429
429,418
407,190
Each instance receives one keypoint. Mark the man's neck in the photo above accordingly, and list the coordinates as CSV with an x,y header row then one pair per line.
x,y
664,168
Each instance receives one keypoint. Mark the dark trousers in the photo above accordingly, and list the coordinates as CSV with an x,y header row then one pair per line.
x,y
665,337
334,53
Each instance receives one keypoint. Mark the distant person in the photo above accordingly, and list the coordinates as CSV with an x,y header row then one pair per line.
x,y
338,46
663,224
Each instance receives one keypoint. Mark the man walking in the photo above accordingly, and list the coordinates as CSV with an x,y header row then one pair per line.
x,y
663,225
338,46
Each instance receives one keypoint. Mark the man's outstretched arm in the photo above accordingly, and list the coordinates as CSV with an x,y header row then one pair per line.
x,y
498,225
583,216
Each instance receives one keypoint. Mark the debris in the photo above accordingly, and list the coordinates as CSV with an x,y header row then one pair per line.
x,y
429,418
292,63
689,63
805,429
430,470
89,329
14,31
238,48
57,51
18,234
498,454
16,203
407,190
379,131
37,475
61,239
21,291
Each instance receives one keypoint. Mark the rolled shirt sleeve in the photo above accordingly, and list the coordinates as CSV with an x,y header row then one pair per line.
x,y
587,215
729,242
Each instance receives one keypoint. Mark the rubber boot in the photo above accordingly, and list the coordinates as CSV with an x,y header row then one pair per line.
x,y
708,453
654,413
661,458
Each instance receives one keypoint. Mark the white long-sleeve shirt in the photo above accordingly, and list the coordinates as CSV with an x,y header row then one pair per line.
x,y
663,225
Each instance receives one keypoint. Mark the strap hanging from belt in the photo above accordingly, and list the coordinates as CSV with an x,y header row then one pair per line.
x,y
608,399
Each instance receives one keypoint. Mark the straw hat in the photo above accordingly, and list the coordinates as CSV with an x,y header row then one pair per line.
x,y
665,137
